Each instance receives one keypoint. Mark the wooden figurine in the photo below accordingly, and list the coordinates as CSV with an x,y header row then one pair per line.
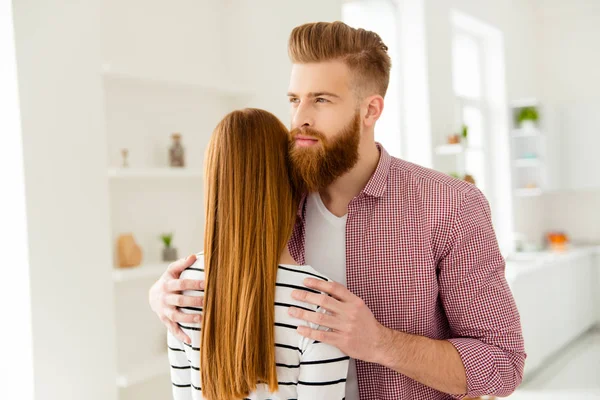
x,y
129,253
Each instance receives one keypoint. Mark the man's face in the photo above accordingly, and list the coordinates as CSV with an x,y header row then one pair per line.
x,y
326,126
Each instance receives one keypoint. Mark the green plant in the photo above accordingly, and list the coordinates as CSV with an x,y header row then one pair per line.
x,y
454,175
465,131
167,238
528,114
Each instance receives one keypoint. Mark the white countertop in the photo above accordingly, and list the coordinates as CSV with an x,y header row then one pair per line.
x,y
526,262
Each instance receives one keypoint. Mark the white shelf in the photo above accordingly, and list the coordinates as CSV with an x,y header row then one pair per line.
x,y
147,271
145,173
449,149
528,162
531,102
526,133
220,88
155,367
528,192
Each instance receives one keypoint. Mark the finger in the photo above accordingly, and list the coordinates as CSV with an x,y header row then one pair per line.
x,y
320,336
177,316
177,331
318,318
326,302
179,300
176,268
178,285
335,289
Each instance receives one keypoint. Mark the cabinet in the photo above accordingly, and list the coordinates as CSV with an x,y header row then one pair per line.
x,y
577,144
527,150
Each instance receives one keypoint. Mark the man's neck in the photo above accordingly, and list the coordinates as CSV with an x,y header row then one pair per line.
x,y
338,195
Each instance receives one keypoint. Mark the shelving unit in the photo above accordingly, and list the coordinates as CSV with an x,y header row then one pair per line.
x,y
527,162
454,155
144,271
153,173
218,88
148,198
449,149
526,192
528,150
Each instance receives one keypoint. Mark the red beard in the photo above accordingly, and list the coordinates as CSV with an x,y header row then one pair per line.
x,y
317,166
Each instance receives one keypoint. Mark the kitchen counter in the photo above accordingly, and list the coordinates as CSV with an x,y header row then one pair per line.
x,y
521,263
557,295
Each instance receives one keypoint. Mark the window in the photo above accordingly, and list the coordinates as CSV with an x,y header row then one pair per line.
x,y
467,60
480,92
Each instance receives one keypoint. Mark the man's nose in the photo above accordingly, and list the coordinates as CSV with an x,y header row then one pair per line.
x,y
302,118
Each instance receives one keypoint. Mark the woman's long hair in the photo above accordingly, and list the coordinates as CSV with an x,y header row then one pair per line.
x,y
250,213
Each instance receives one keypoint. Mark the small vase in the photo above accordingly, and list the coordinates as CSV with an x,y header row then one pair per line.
x,y
169,254
527,125
176,152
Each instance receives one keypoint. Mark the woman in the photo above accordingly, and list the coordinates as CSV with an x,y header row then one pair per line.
x,y
247,345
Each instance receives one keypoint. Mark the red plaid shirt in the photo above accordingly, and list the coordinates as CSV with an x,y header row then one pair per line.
x,y
422,254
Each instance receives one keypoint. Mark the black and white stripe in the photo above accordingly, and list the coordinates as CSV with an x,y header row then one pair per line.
x,y
306,369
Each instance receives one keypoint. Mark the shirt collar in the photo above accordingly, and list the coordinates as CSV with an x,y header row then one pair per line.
x,y
375,186
378,183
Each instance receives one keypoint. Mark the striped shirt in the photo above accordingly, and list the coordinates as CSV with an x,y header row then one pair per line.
x,y
306,369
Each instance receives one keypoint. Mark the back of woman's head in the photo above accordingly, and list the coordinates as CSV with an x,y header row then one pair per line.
x,y
250,212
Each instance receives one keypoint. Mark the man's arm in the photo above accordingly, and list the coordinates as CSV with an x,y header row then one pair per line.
x,y
434,363
166,295
485,355
482,314
358,334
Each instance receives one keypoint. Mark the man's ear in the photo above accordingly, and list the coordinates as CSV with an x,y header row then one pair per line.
x,y
374,106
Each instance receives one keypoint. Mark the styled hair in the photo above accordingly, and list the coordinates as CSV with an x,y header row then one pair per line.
x,y
250,213
362,51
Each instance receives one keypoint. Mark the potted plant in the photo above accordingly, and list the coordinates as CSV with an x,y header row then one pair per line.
x,y
465,132
169,253
528,117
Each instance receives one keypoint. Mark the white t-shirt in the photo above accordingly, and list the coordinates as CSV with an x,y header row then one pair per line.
x,y
306,369
325,249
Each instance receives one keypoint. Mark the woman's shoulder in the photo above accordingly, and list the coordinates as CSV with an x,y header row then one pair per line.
x,y
300,272
196,270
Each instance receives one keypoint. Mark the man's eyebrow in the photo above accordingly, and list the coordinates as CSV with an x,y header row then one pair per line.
x,y
315,94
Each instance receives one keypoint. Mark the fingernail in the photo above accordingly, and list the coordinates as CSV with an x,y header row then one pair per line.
x,y
293,311
197,319
302,330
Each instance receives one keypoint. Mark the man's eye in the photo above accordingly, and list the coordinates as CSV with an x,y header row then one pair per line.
x,y
294,100
321,100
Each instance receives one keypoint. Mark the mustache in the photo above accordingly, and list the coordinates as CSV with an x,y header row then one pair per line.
x,y
308,132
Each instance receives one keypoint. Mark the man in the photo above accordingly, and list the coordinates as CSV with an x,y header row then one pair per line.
x,y
422,306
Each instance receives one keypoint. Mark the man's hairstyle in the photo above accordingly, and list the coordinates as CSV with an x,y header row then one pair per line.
x,y
362,51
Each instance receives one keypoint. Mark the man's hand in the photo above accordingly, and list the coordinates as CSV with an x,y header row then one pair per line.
x,y
353,328
434,363
165,295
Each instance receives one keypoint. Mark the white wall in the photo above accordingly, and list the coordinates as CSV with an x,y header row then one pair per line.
x,y
257,32
569,67
181,40
16,368
64,146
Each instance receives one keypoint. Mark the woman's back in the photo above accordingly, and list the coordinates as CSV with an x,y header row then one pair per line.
x,y
305,369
